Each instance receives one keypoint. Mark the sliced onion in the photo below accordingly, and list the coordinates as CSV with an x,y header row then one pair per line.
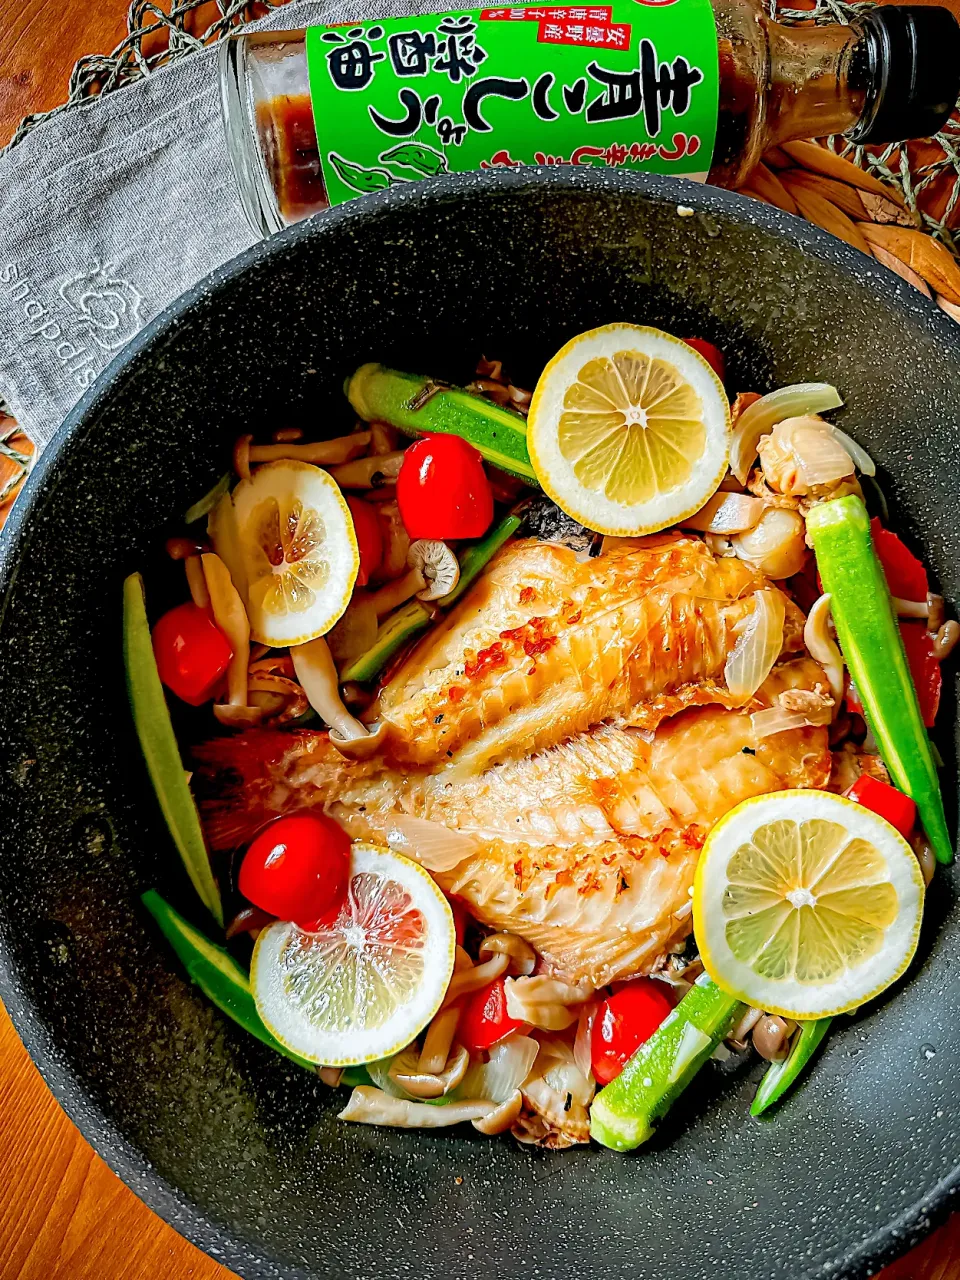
x,y
511,1061
757,649
435,847
544,1002
800,453
821,645
758,418
374,1106
726,513
379,1073
582,1047
776,720
861,459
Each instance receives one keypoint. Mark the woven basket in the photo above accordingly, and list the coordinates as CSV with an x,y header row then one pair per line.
x,y
899,203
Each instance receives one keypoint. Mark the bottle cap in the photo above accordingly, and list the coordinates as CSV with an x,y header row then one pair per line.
x,y
912,72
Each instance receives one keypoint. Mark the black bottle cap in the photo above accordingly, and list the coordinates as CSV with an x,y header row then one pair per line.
x,y
912,72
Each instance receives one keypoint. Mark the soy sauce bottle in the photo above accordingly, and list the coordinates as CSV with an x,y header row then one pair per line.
x,y
698,88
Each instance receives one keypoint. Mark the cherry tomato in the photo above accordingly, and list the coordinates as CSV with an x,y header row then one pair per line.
x,y
623,1023
484,1019
192,653
366,524
443,491
924,672
297,868
713,356
924,668
906,577
886,801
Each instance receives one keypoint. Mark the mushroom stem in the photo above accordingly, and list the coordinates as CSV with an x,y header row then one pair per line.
x,y
320,452
197,582
231,617
313,664
368,473
398,592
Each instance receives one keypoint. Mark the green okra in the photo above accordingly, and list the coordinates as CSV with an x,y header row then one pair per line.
x,y
221,979
418,405
158,742
393,633
478,555
401,627
203,506
870,641
781,1076
625,1113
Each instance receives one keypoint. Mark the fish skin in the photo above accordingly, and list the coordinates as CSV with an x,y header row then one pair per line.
x,y
547,645
587,849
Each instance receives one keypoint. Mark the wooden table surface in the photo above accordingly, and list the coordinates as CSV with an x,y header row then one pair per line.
x,y
63,1214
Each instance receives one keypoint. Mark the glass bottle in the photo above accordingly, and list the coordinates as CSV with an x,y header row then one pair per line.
x,y
892,75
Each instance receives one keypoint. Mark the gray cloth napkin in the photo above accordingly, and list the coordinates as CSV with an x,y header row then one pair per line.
x,y
110,211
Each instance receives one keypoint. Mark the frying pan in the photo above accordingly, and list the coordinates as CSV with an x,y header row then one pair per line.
x,y
239,1149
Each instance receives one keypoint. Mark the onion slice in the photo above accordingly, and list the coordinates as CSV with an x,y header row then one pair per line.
x,y
510,1062
758,645
861,459
764,724
373,1106
726,513
758,418
821,645
435,847
544,1002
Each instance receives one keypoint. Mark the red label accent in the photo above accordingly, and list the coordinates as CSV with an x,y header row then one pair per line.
x,y
511,13
615,35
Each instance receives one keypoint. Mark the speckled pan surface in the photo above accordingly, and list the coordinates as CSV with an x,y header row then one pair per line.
x,y
237,1148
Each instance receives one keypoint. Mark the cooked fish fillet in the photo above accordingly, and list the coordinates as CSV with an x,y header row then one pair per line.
x,y
586,849
545,646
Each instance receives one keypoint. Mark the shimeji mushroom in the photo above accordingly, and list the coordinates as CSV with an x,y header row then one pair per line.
x,y
313,664
433,572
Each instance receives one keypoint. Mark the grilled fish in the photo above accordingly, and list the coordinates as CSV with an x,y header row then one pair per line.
x,y
587,848
547,645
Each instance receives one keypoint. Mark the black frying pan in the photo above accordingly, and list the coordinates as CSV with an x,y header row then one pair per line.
x,y
239,1149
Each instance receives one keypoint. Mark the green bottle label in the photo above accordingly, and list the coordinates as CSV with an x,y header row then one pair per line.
x,y
631,84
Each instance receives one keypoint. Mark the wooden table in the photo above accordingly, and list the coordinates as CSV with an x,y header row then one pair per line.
x,y
63,1214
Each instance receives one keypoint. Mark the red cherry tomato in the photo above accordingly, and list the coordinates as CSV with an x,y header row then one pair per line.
x,y
366,524
297,868
713,356
192,653
623,1023
443,491
924,668
484,1019
886,801
905,574
924,672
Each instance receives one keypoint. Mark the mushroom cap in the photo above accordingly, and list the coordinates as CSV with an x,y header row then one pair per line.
x,y
438,564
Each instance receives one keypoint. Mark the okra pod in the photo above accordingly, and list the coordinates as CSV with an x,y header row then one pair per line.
x,y
873,651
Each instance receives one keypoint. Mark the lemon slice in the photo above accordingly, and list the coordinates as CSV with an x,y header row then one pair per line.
x,y
365,986
298,549
806,904
629,429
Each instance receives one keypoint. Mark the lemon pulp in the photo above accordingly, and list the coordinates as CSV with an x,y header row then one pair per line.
x,y
631,427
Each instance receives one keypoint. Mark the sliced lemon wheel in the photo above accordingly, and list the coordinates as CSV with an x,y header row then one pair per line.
x,y
299,551
629,429
365,986
806,904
